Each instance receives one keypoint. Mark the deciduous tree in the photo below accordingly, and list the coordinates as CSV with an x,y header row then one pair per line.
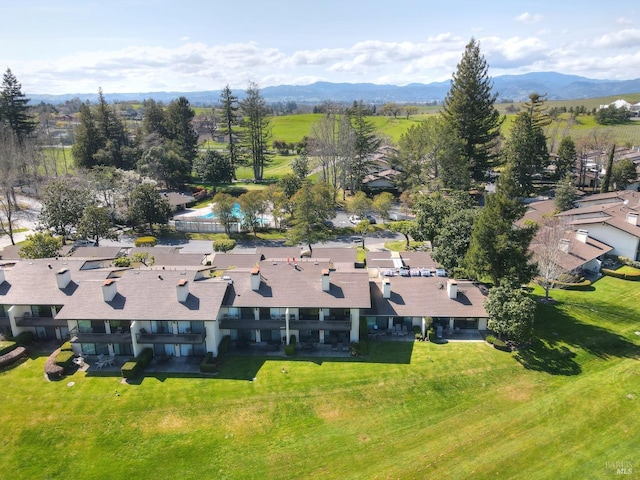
x,y
63,203
313,207
511,312
147,205
40,245
95,224
254,206
214,168
623,173
223,207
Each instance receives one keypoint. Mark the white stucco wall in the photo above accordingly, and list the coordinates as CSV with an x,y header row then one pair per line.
x,y
624,244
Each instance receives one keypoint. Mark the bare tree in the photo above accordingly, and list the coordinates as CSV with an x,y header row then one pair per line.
x,y
10,161
548,246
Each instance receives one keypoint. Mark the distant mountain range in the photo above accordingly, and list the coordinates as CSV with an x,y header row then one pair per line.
x,y
557,86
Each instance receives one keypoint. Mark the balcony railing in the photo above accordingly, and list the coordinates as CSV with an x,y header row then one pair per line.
x,y
152,338
29,321
272,324
89,336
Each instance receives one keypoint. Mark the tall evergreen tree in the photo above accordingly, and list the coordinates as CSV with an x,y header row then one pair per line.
x,y
155,119
366,143
566,193
14,108
229,111
537,110
88,140
257,135
180,129
469,110
567,157
606,181
526,152
498,249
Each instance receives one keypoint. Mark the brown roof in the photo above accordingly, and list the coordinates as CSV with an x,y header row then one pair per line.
x,y
177,259
537,210
146,295
409,259
224,261
579,252
96,252
426,297
285,285
33,282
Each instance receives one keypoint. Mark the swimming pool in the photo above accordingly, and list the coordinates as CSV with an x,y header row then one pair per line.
x,y
236,212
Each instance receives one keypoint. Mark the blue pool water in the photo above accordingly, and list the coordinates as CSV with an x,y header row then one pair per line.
x,y
236,212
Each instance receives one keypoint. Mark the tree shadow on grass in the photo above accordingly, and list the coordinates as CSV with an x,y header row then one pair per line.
x,y
558,333
555,360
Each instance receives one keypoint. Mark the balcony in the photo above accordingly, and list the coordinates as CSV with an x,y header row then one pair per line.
x,y
269,323
29,321
153,338
4,322
89,336
331,325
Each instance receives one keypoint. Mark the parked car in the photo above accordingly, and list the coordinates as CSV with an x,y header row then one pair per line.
x,y
355,219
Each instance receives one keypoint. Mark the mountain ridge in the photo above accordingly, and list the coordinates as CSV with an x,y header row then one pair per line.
x,y
516,88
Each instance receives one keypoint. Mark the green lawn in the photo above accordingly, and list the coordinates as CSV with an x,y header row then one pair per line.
x,y
562,409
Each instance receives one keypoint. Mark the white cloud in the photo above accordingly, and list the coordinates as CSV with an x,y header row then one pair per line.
x,y
624,21
622,39
527,17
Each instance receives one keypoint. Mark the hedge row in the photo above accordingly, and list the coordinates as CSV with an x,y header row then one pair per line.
x,y
135,366
147,241
8,347
634,277
209,364
10,357
64,359
582,285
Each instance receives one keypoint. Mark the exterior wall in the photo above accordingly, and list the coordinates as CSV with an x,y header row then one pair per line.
x,y
482,324
19,311
213,338
593,265
624,244
355,325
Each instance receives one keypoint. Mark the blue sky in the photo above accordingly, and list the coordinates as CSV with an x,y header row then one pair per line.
x,y
75,46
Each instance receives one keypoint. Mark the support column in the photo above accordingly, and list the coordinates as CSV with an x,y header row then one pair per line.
x,y
286,323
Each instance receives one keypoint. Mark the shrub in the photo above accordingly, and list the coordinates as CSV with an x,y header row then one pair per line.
x,y
490,339
12,356
499,344
23,339
64,359
147,241
208,364
632,276
144,357
584,284
8,347
291,348
225,343
354,349
224,244
418,336
122,262
66,347
130,369
53,370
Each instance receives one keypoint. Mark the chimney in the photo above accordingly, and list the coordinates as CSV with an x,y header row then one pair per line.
x,y
632,218
386,288
255,279
109,289
182,289
1,276
564,245
63,278
582,235
326,284
452,288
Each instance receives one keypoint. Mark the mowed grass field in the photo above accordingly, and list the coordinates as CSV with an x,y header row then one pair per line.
x,y
567,407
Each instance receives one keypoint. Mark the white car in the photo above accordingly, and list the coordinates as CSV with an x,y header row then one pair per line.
x,y
355,219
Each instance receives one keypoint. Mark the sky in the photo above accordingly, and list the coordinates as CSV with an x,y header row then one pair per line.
x,y
78,46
